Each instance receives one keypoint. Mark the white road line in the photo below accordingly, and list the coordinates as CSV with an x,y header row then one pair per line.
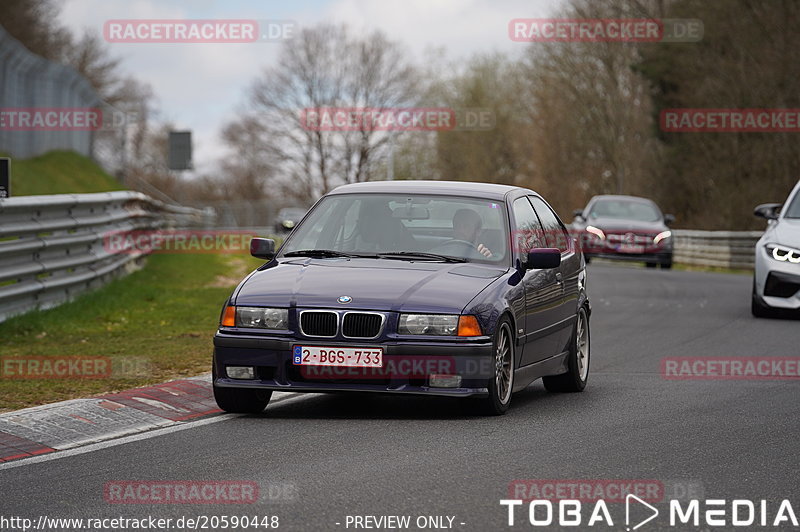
x,y
138,437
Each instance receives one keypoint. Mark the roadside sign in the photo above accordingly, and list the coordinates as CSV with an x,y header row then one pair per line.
x,y
180,150
5,177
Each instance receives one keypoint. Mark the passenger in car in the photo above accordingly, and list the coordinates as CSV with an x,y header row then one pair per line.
x,y
379,231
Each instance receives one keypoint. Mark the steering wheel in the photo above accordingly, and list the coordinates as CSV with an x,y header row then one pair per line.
x,y
458,248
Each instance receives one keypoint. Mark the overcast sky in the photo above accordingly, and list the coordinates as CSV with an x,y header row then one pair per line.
x,y
199,86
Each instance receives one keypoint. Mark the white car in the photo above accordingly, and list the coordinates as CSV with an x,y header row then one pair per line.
x,y
776,283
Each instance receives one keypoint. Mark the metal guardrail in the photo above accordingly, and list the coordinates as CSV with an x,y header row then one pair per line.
x,y
52,247
724,249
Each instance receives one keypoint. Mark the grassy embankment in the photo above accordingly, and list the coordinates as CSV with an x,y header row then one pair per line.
x,y
162,317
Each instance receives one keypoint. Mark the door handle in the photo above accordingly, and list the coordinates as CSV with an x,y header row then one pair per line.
x,y
559,278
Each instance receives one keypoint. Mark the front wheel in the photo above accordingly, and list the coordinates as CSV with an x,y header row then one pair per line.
x,y
501,385
574,380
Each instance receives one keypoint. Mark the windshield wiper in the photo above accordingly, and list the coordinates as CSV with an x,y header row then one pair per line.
x,y
411,255
326,253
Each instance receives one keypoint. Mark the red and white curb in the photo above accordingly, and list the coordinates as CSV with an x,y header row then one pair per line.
x,y
79,422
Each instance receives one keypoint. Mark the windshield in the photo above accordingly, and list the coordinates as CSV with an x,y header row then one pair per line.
x,y
291,214
793,210
473,230
638,211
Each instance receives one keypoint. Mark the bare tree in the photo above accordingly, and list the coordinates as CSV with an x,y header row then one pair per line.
x,y
494,149
322,67
590,114
33,23
90,56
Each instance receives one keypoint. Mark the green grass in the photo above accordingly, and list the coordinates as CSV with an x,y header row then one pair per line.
x,y
164,314
59,172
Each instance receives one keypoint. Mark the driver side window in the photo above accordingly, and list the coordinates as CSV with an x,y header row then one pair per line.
x,y
528,232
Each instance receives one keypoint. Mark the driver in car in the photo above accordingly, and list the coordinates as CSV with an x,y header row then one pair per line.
x,y
467,225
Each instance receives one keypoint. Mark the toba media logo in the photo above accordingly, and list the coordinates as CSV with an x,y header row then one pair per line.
x,y
692,513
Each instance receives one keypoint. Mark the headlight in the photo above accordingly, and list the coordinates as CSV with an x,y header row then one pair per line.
x,y
664,235
596,232
430,324
783,253
288,224
262,318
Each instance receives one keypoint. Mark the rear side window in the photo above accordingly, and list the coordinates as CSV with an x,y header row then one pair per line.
x,y
555,233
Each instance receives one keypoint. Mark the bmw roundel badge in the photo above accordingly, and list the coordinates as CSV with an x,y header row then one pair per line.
x,y
344,299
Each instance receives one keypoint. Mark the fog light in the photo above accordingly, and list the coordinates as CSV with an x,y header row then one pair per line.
x,y
241,372
445,381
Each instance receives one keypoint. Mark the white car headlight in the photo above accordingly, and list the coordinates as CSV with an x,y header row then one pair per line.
x,y
262,318
783,253
596,232
430,324
663,235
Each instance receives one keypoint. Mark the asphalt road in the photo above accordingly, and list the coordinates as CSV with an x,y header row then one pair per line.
x,y
382,455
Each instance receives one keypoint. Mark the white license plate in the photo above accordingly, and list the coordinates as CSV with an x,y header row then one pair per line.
x,y
630,248
363,357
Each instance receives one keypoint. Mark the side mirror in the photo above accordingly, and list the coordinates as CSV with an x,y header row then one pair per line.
x,y
768,210
669,219
543,259
262,248
577,213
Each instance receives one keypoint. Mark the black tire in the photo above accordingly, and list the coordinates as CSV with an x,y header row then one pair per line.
x,y
572,380
500,388
587,258
666,265
757,307
651,264
241,401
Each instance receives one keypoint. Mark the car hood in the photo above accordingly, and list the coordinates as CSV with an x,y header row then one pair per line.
x,y
786,232
373,284
615,225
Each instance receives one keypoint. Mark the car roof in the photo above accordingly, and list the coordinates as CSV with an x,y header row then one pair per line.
x,y
622,197
453,188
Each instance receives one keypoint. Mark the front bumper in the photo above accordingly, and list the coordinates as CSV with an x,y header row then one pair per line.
x,y
657,256
272,357
775,281
617,250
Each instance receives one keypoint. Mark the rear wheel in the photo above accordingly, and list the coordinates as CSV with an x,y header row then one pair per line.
x,y
666,265
501,385
241,401
651,264
574,380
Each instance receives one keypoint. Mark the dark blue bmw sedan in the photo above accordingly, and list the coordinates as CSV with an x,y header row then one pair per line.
x,y
410,287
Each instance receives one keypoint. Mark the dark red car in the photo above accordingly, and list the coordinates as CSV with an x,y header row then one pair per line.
x,y
625,228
